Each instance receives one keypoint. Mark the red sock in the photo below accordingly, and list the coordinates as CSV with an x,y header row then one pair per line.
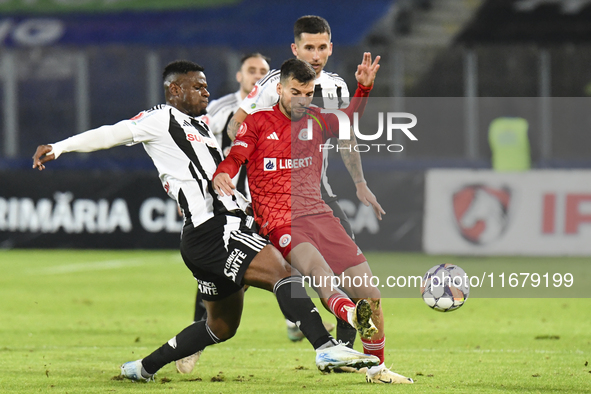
x,y
375,348
337,303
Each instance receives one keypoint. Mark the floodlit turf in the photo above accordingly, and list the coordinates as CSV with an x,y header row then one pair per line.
x,y
68,319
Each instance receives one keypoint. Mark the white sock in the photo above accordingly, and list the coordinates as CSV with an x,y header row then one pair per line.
x,y
290,324
350,316
375,369
145,374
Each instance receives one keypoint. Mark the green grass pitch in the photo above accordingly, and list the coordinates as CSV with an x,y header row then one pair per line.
x,y
68,319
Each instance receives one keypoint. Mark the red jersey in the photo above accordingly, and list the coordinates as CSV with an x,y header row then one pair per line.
x,y
284,166
284,162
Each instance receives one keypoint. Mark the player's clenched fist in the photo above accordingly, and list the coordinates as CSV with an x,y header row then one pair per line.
x,y
223,185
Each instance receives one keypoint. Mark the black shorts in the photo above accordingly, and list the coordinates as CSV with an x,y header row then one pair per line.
x,y
219,251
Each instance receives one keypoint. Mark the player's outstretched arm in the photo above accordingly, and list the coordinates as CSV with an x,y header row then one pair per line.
x,y
365,75
352,160
235,123
103,137
367,197
367,70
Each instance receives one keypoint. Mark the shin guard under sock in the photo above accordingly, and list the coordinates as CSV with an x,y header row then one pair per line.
x,y
337,303
189,341
375,348
299,308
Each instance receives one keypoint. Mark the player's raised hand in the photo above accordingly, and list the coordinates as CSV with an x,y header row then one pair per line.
x,y
367,70
367,197
223,185
41,156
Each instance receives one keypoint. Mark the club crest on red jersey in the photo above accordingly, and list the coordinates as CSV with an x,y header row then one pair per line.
x,y
242,130
284,240
304,135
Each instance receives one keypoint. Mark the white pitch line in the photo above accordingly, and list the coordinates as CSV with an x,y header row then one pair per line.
x,y
85,267
310,350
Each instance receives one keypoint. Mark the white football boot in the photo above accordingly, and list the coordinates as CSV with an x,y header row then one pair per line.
x,y
132,370
383,375
186,365
341,356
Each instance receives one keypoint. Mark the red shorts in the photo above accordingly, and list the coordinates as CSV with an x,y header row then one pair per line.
x,y
328,236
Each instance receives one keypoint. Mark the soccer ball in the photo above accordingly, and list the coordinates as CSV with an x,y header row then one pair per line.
x,y
445,287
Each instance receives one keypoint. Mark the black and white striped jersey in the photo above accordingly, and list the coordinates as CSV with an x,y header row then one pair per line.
x,y
186,154
218,115
330,88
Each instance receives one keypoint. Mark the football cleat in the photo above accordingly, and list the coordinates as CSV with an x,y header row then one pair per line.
x,y
350,370
340,355
362,320
295,334
385,376
186,365
132,370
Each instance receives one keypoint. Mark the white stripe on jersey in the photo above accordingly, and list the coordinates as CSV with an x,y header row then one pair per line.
x,y
186,155
218,112
264,94
232,224
270,74
248,240
229,101
324,178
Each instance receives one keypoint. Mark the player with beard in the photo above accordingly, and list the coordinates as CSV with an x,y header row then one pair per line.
x,y
284,172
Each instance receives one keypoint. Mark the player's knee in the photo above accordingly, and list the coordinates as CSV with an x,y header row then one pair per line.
x,y
279,271
372,293
275,261
285,269
223,330
369,293
321,272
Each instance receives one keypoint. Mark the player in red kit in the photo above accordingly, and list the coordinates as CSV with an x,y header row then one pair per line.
x,y
312,43
284,166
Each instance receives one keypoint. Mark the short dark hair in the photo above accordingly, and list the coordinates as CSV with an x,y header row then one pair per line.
x,y
311,24
298,70
180,67
254,54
